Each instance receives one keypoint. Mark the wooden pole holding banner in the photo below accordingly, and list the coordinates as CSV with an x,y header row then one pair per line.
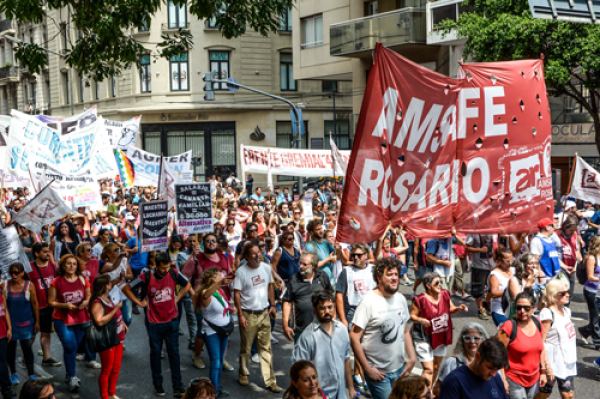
x,y
569,189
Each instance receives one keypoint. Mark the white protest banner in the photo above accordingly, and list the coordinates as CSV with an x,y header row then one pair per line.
x,y
11,251
169,178
586,182
154,226
45,208
122,134
147,165
289,162
194,209
340,165
31,140
10,181
307,204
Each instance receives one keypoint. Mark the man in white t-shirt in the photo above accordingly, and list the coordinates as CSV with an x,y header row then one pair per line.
x,y
254,299
380,337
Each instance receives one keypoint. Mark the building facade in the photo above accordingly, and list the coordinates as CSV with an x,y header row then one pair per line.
x,y
169,94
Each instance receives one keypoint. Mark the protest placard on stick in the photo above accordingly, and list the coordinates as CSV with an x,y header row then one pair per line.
x,y
194,208
154,226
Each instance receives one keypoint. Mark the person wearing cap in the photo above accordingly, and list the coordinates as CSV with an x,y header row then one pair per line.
x,y
545,248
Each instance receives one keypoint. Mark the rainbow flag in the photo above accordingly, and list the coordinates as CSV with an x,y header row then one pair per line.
x,y
125,168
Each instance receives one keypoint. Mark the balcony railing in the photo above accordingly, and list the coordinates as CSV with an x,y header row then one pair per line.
x,y
392,28
173,26
9,72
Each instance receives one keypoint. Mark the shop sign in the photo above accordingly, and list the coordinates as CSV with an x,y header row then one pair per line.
x,y
573,133
183,117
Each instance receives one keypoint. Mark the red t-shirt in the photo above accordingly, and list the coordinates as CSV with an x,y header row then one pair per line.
x,y
161,298
118,316
524,355
92,268
48,274
74,293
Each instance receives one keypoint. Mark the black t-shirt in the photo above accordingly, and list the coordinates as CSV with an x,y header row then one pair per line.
x,y
299,291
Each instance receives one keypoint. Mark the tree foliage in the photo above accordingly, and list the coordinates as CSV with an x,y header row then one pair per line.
x,y
104,44
502,30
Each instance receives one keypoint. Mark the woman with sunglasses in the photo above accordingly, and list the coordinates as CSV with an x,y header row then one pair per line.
x,y
411,387
90,268
37,389
498,281
560,341
431,338
69,295
471,336
105,224
233,236
527,276
103,240
528,363
21,301
64,241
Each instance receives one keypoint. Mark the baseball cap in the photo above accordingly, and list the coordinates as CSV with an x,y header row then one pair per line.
x,y
544,222
130,218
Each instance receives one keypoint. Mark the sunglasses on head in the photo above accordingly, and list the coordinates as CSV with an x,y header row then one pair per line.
x,y
522,307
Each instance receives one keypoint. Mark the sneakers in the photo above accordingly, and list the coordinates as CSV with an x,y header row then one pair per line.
x,y
359,384
159,390
80,357
32,378
255,358
274,340
597,362
483,315
74,384
274,388
227,366
179,391
51,362
198,362
244,380
93,365
223,392
40,353
14,380
584,334
407,282
136,310
465,295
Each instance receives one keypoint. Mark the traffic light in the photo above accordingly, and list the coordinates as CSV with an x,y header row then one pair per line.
x,y
208,87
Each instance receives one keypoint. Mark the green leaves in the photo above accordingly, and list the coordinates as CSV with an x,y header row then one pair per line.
x,y
100,32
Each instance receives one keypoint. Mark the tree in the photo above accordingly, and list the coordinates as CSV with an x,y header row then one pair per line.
x,y
104,45
502,30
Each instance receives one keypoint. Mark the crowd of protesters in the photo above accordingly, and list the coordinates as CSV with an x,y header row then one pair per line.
x,y
353,332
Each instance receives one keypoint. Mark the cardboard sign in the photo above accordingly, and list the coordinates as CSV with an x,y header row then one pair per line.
x,y
154,226
194,210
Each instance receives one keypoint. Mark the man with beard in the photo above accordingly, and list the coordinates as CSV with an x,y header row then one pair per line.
x,y
479,378
380,337
300,289
320,246
326,344
194,268
253,291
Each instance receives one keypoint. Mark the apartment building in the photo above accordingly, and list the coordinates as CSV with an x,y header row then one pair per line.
x,y
169,95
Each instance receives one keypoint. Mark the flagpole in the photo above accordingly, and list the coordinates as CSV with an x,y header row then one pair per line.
x,y
569,189
333,166
159,177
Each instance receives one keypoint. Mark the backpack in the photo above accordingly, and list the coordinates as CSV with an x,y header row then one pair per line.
x,y
513,333
581,272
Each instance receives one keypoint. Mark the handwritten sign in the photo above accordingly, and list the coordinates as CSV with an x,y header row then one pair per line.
x,y
155,223
194,208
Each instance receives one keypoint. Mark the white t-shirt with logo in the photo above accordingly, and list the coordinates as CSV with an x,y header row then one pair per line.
x,y
383,321
561,343
253,285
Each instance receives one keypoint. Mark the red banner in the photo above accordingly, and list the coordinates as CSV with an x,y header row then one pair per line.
x,y
432,153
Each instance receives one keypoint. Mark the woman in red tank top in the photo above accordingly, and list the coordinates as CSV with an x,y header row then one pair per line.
x,y
103,310
432,328
69,295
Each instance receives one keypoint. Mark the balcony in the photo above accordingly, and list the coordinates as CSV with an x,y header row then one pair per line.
x,y
9,74
395,29
439,11
7,27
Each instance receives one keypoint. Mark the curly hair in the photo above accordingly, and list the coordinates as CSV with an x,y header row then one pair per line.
x,y
409,387
383,264
207,277
521,265
63,263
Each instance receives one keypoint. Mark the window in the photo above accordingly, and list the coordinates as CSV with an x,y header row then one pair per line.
x,y
312,31
67,87
329,86
342,138
145,76
47,89
145,26
219,66
179,72
97,90
212,22
113,86
177,16
32,87
287,72
371,8
81,87
285,21
284,137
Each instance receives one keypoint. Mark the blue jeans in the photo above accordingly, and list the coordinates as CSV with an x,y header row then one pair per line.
x,y
382,389
216,346
498,318
403,271
190,316
126,310
168,332
70,338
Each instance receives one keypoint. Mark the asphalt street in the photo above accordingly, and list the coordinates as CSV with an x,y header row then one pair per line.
x,y
136,381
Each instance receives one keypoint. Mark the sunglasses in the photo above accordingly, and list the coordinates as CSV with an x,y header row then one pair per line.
x,y
252,230
116,250
563,293
436,283
230,224
88,250
471,338
211,241
333,214
297,213
14,272
521,307
290,239
356,255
